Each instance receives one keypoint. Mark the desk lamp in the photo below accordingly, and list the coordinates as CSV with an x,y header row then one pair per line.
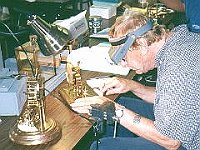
x,y
32,126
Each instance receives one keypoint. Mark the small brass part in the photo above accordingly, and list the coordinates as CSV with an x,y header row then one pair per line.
x,y
30,55
75,87
30,52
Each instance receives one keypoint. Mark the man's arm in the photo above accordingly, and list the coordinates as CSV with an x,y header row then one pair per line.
x,y
121,85
145,128
146,93
174,4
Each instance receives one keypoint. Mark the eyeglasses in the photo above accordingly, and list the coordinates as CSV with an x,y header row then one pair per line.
x,y
123,44
117,41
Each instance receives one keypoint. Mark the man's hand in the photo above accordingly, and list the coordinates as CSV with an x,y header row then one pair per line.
x,y
116,86
83,105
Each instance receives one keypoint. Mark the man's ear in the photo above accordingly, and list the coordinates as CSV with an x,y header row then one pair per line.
x,y
143,45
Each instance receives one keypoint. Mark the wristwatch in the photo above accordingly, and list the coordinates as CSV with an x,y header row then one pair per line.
x,y
119,112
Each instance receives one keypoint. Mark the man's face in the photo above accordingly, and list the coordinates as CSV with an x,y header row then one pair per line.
x,y
134,59
137,58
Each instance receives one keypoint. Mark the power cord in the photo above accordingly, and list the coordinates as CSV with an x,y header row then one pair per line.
x,y
19,44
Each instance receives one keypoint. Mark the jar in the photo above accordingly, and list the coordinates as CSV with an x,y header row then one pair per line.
x,y
95,23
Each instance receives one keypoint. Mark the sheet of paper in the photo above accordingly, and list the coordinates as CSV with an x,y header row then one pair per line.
x,y
101,34
98,83
97,59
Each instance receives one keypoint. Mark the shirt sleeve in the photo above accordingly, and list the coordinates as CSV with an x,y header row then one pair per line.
x,y
177,104
177,113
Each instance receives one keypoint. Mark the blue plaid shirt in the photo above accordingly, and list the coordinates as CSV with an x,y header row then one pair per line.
x,y
177,103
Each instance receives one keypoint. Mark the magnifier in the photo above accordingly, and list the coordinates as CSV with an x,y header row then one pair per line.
x,y
121,45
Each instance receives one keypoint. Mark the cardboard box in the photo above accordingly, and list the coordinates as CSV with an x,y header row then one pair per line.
x,y
105,12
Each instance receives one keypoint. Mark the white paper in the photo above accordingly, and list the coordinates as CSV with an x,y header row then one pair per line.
x,y
97,59
98,83
101,34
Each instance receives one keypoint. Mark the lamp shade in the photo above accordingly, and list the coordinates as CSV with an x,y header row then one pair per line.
x,y
52,39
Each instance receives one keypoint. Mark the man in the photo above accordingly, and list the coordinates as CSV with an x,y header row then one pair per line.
x,y
168,116
191,8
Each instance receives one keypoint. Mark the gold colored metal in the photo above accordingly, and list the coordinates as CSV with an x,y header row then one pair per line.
x,y
23,58
152,9
75,87
158,11
32,126
51,132
47,64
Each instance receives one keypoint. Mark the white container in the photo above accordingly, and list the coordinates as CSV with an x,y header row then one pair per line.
x,y
12,102
103,11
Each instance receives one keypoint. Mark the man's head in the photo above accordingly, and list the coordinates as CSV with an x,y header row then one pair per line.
x,y
141,55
